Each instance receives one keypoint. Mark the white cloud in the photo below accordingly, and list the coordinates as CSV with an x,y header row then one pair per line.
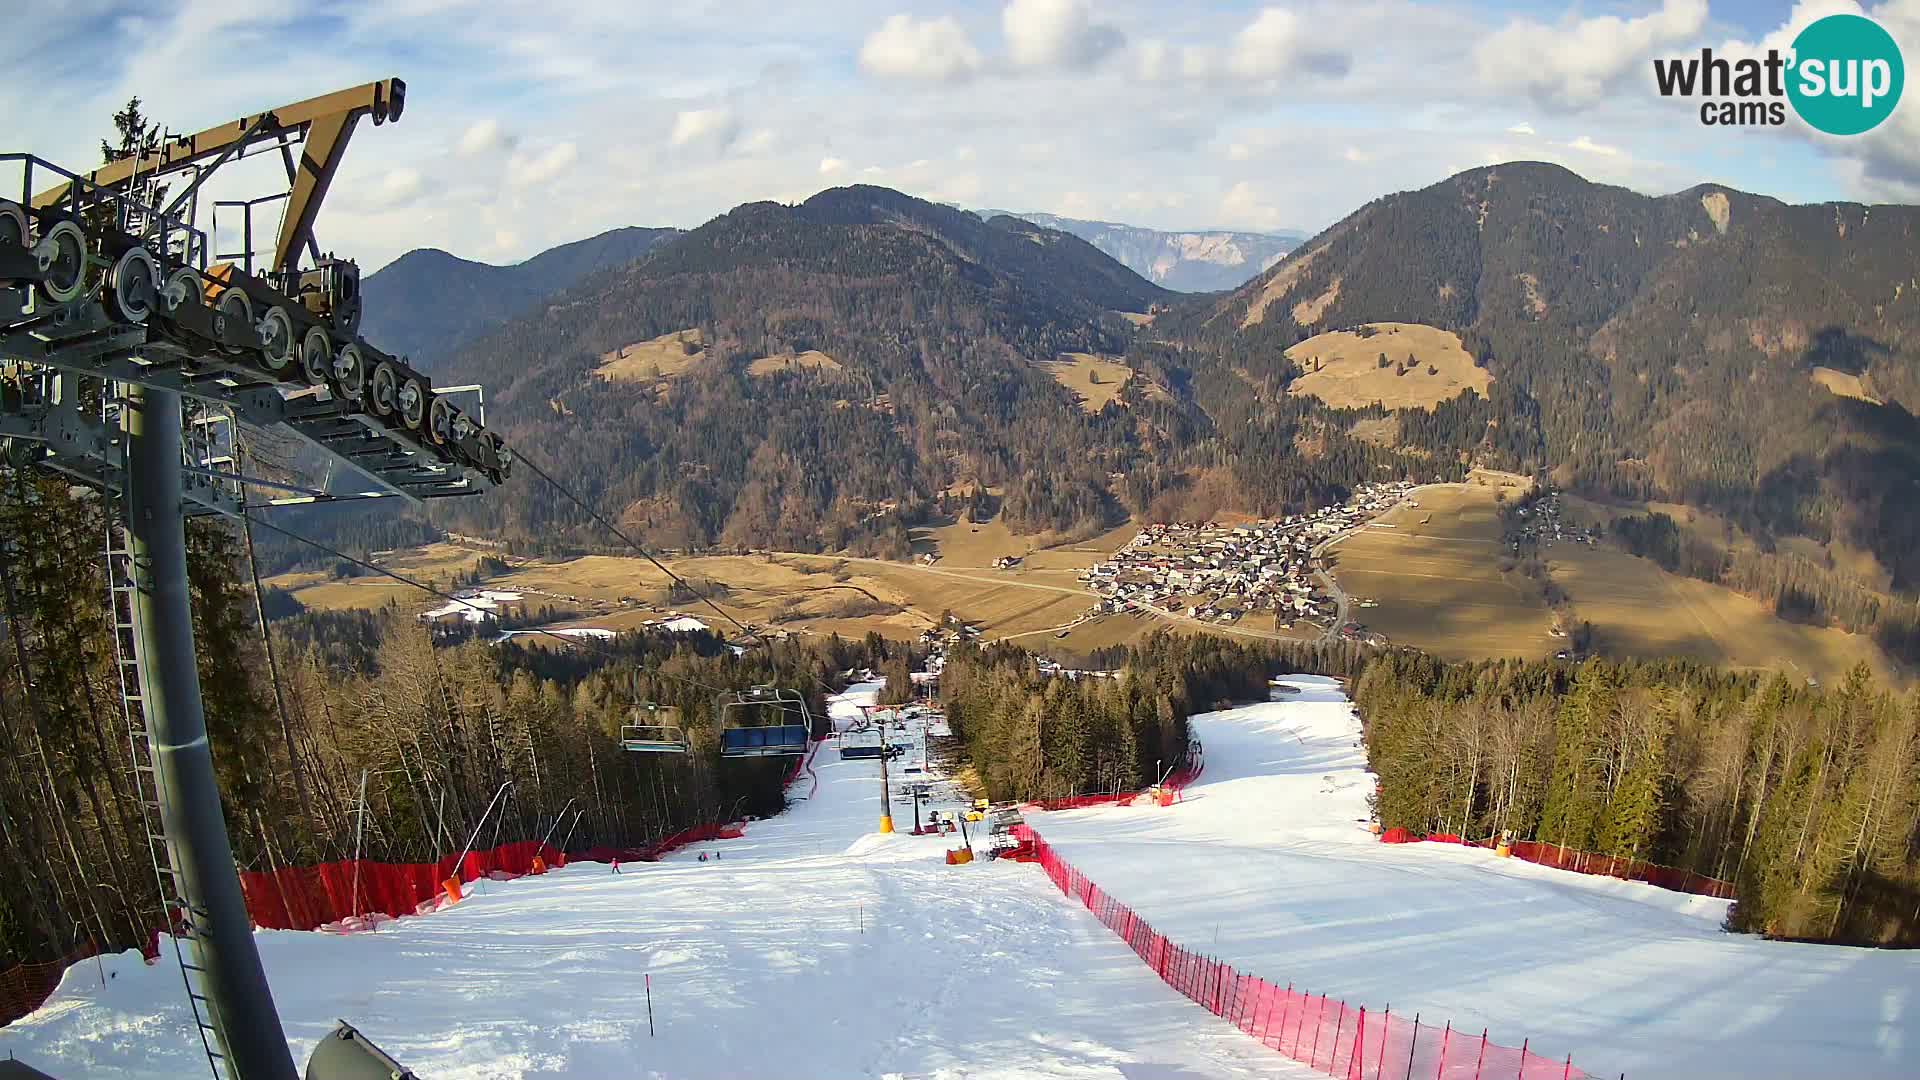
x,y
712,126
1230,87
1354,155
525,172
935,50
482,136
1152,60
1056,34
1586,145
1276,44
1266,46
1578,62
400,186
1883,164
1243,207
830,166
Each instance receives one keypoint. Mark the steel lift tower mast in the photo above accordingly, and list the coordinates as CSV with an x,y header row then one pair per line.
x,y
130,358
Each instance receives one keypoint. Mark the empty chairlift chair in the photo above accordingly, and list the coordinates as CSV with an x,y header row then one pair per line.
x,y
656,729
764,722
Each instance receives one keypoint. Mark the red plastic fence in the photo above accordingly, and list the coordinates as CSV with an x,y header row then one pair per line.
x,y
1175,783
24,987
306,897
1585,862
1331,1036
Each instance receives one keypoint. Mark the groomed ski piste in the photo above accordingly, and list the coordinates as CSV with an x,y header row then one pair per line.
x,y
814,947
1266,864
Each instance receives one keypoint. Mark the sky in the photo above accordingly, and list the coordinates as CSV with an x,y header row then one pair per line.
x,y
532,124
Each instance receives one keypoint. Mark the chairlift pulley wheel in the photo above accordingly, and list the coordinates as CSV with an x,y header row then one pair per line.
x,y
62,251
440,421
276,339
236,307
350,371
13,225
316,355
132,285
412,403
382,395
181,288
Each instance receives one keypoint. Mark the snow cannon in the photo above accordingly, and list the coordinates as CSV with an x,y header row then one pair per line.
x,y
452,885
539,865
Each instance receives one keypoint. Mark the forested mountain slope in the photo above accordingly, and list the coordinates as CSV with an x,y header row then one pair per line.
x,y
1668,346
930,321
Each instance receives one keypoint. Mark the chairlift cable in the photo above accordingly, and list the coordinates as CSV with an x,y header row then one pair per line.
x,y
635,545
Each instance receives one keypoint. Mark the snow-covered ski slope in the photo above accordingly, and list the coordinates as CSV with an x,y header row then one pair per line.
x,y
814,948
1266,864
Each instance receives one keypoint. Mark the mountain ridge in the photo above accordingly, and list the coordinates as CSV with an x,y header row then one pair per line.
x,y
428,302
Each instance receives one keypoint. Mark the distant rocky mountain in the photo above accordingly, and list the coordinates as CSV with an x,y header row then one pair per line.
x,y
1204,260
428,303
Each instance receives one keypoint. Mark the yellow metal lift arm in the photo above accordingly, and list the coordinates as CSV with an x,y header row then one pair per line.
x,y
326,121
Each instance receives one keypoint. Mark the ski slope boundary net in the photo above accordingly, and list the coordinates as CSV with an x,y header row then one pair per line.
x,y
1331,1036
1584,862
332,894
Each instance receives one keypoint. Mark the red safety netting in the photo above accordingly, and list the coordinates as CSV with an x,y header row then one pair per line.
x,y
1170,791
24,987
1585,862
1331,1036
307,897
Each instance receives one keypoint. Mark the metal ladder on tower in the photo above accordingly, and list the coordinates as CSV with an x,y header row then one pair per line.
x,y
178,912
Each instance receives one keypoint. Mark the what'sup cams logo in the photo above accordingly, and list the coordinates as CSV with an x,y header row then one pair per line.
x,y
1843,76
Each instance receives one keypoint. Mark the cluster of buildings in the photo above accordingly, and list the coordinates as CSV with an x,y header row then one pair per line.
x,y
1541,521
1219,573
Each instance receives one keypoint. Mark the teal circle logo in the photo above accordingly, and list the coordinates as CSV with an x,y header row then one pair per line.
x,y
1847,74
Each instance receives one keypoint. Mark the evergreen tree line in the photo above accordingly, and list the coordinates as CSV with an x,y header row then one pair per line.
x,y
436,730
1807,798
1032,736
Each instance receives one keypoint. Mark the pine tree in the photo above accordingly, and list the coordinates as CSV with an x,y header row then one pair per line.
x,y
1576,794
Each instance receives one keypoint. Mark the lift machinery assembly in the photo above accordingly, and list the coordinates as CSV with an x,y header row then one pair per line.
x,y
130,355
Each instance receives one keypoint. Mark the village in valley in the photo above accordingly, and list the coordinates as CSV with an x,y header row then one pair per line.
x,y
1221,573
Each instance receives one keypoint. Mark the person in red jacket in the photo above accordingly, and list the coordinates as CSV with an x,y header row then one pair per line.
x,y
616,864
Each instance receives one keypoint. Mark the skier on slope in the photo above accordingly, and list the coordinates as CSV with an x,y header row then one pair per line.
x,y
616,864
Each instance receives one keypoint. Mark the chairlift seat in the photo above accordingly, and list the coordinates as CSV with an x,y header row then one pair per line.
x,y
653,739
780,740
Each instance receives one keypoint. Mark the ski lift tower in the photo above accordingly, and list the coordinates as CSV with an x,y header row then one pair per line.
x,y
131,359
